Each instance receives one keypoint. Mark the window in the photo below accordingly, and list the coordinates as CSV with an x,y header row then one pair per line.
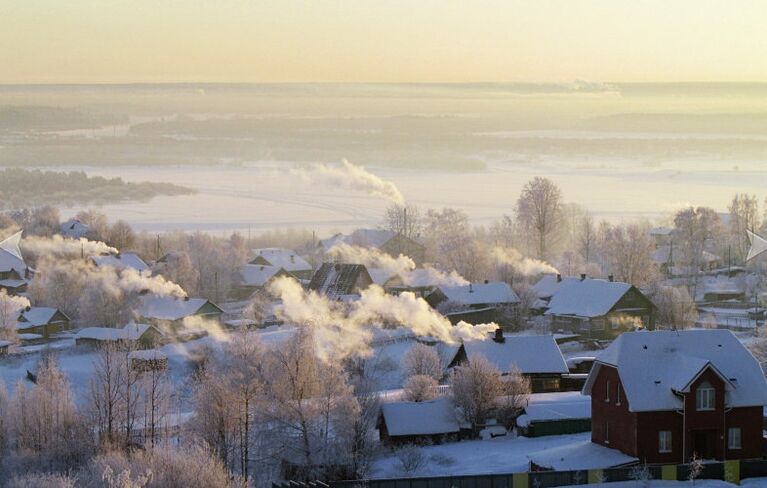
x,y
607,391
733,438
704,397
607,433
618,394
664,441
615,322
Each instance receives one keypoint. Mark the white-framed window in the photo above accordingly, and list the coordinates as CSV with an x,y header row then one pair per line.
x,y
664,441
733,438
607,391
705,397
607,433
618,394
615,322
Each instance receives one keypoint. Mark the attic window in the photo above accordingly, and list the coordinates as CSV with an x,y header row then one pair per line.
x,y
644,347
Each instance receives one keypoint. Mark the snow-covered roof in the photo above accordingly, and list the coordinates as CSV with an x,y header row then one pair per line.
x,y
555,406
548,285
74,229
380,275
361,237
652,365
581,455
169,307
587,298
338,279
575,361
13,284
131,332
10,255
121,261
5,343
530,354
480,293
283,258
420,418
258,274
35,317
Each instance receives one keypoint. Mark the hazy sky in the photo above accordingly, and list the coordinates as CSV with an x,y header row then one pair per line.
x,y
382,40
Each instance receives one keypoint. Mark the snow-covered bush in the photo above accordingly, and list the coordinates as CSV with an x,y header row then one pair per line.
x,y
410,458
423,360
420,388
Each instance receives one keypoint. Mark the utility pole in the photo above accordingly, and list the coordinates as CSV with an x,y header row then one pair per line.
x,y
157,250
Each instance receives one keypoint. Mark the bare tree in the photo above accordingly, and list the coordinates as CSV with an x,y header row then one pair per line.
x,y
423,360
516,391
121,236
586,238
404,220
451,245
539,206
629,254
676,309
694,227
106,392
744,211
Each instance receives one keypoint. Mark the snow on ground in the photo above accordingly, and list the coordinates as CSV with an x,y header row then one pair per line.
x,y
556,406
506,454
675,484
580,455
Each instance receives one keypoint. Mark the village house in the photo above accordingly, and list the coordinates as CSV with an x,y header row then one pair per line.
x,y
14,272
43,321
142,336
537,357
174,314
433,421
666,396
4,346
252,278
386,241
671,262
287,259
120,261
74,229
337,280
598,309
476,303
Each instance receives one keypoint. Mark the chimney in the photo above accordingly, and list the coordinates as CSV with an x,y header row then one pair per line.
x,y
583,276
559,278
486,282
499,336
610,278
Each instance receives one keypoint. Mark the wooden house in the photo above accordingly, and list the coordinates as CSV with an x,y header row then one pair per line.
x,y
143,336
286,259
666,396
599,309
537,357
252,278
44,321
337,280
428,422
14,272
174,314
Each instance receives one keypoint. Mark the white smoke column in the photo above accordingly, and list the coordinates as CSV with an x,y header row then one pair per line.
x,y
132,280
197,324
346,331
402,266
57,246
525,266
355,177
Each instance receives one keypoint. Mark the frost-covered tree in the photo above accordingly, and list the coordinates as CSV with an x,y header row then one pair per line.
x,y
744,215
629,254
121,236
177,267
676,309
475,387
106,395
10,308
420,388
404,220
423,360
539,208
451,243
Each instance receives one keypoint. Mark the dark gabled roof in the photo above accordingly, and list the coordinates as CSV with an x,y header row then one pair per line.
x,y
337,279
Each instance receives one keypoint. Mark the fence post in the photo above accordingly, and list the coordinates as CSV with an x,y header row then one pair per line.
x,y
732,471
520,480
668,472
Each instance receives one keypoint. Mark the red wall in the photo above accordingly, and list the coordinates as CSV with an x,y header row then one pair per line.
x,y
622,422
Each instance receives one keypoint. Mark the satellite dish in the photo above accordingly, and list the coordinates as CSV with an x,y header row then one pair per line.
x,y
758,245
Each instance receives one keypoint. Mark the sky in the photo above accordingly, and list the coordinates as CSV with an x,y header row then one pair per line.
x,y
119,41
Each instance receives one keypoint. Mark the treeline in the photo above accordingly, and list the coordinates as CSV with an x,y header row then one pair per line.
x,y
21,188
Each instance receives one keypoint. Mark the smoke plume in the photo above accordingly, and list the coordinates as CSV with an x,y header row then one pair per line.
x,y
57,246
134,281
525,266
357,178
401,266
344,330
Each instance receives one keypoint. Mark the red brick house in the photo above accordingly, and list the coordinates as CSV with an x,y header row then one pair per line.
x,y
663,396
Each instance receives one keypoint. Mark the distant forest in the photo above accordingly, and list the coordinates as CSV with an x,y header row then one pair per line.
x,y
24,188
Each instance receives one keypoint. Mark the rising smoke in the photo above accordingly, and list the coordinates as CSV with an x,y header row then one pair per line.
x,y
57,246
357,178
522,265
344,330
401,266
